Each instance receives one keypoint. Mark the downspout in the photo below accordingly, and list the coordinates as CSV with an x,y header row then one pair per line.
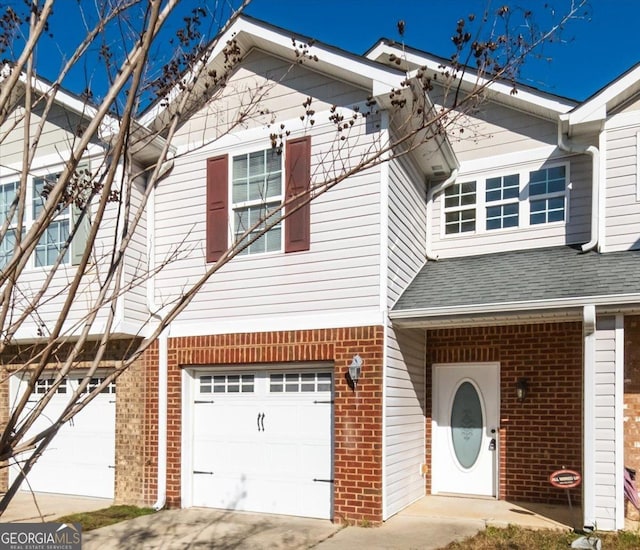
x,y
589,420
594,153
163,350
163,356
430,194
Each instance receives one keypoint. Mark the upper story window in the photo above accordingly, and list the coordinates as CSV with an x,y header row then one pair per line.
x,y
56,234
242,189
53,240
501,196
460,208
547,195
522,199
8,193
256,191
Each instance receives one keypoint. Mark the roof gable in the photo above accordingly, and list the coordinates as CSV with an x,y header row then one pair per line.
x,y
607,100
525,98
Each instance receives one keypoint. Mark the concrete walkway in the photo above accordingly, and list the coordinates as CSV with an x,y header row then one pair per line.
x,y
434,521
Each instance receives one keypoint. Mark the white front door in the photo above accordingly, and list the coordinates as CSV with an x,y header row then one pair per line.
x,y
262,442
466,408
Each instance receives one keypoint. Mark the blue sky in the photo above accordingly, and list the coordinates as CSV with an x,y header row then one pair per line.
x,y
596,51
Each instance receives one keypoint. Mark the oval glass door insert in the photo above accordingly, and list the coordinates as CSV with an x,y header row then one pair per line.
x,y
466,425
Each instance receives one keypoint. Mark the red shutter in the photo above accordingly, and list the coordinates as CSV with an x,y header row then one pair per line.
x,y
298,178
217,207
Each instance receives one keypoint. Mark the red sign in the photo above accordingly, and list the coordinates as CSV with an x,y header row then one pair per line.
x,y
565,479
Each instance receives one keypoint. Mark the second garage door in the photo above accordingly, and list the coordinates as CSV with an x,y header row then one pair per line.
x,y
262,442
80,459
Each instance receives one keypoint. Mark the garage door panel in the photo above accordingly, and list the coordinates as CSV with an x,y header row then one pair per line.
x,y
266,445
80,459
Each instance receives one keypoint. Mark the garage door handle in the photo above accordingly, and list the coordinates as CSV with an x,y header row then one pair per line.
x,y
112,467
323,480
202,472
260,422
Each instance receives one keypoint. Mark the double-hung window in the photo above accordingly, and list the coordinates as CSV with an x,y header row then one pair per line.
x,y
244,189
256,191
502,195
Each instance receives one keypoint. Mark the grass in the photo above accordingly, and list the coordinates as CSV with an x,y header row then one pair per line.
x,y
106,516
518,538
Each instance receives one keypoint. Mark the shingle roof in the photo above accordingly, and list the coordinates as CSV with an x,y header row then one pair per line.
x,y
523,275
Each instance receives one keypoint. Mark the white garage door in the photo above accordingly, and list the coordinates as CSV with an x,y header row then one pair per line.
x,y
262,442
80,459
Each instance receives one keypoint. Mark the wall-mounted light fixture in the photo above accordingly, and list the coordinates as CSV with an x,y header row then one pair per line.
x,y
522,389
355,370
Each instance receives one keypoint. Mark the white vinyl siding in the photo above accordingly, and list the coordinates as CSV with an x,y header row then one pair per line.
x,y
136,265
606,476
622,222
404,418
340,273
407,226
404,433
495,128
58,135
271,91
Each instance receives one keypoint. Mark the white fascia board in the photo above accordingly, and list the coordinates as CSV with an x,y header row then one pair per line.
x,y
505,307
29,332
339,319
590,113
595,108
72,103
556,104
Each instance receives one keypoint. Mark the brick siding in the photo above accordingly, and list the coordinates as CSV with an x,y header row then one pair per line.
x,y
545,432
357,423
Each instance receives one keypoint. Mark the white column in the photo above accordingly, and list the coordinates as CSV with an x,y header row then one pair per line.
x,y
588,414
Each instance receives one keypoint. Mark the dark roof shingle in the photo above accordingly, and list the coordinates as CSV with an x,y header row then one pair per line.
x,y
523,275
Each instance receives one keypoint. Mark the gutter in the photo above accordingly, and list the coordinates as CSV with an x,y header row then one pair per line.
x,y
430,194
525,305
594,152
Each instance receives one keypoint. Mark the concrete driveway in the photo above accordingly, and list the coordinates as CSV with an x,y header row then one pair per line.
x,y
204,528
428,524
201,528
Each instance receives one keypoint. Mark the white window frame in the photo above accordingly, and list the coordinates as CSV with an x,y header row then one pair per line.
x,y
261,203
524,199
502,201
30,206
460,208
549,195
